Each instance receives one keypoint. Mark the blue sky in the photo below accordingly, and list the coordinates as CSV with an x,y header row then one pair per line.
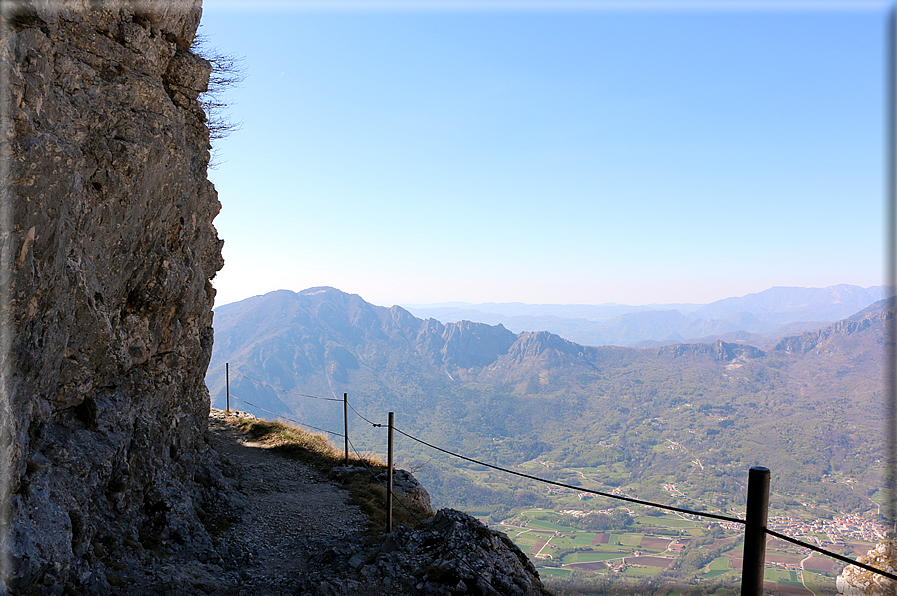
x,y
668,152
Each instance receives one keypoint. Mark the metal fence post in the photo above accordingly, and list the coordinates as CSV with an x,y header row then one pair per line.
x,y
754,536
227,385
346,424
389,476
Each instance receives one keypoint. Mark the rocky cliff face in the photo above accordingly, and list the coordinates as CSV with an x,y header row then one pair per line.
x,y
719,350
450,553
822,340
108,249
856,581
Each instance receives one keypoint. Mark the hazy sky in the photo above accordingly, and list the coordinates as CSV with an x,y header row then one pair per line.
x,y
670,152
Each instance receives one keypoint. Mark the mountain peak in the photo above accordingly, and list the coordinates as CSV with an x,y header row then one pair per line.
x,y
320,290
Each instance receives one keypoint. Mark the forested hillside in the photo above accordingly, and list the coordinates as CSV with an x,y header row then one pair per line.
x,y
695,414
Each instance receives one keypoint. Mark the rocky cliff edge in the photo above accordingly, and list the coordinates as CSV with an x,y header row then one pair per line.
x,y
107,249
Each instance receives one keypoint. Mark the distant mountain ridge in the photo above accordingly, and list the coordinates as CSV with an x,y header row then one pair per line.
x,y
874,315
336,332
759,318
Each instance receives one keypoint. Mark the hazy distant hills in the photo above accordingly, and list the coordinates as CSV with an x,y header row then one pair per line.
x,y
759,319
807,406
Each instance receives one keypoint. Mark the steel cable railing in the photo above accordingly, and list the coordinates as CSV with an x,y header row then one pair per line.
x,y
659,506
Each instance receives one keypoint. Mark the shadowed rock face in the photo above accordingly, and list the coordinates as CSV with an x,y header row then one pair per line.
x,y
450,553
108,249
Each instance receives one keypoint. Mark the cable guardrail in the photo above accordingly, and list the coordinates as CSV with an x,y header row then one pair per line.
x,y
359,457
357,413
764,529
761,528
570,486
829,553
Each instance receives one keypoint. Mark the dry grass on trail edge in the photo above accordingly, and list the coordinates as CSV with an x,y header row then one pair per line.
x,y
370,497
298,443
315,449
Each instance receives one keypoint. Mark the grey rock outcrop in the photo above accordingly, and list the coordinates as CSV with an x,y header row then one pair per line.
x,y
856,581
450,553
405,484
108,249
719,350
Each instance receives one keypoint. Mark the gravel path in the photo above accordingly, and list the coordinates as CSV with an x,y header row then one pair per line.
x,y
292,513
295,534
293,522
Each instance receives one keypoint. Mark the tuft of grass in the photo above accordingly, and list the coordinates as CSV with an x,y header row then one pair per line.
x,y
316,450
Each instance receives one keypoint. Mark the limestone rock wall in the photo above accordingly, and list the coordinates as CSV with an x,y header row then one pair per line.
x,y
856,581
107,251
450,553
